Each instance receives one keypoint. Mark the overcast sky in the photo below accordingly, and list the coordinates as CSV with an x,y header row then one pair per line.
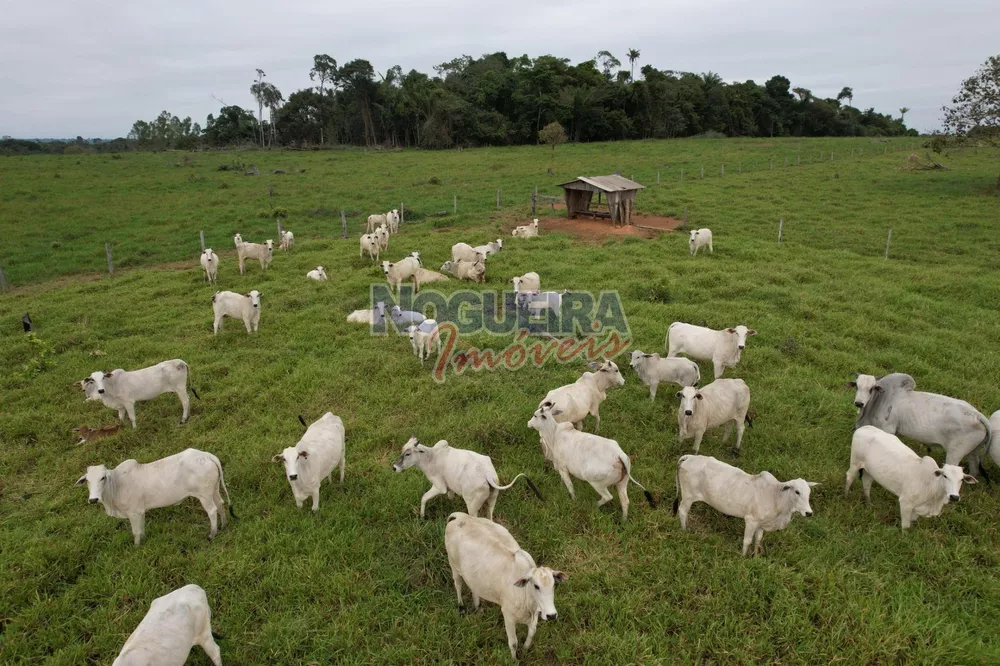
x,y
93,67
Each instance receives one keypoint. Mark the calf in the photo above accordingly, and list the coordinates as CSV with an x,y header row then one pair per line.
x,y
765,503
237,306
317,273
314,457
652,370
383,237
584,396
723,348
120,389
423,336
376,220
392,217
92,434
403,318
175,623
922,487
490,248
487,558
700,238
286,239
132,488
597,460
461,471
537,302
527,231
210,264
370,244
262,252
724,401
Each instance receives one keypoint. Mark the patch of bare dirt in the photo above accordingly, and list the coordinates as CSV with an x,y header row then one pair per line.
x,y
643,226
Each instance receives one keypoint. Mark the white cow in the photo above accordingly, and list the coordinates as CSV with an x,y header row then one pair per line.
x,y
237,306
466,270
922,487
765,503
700,238
465,252
404,269
321,449
724,401
175,623
370,244
723,348
461,471
863,386
262,252
392,217
526,231
383,237
210,264
584,396
120,389
286,239
527,282
133,488
597,460
317,273
490,248
423,337
487,558
375,221
653,370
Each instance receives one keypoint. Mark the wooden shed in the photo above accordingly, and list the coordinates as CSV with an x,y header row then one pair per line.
x,y
618,193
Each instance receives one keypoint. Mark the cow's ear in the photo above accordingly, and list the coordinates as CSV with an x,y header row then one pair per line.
x,y
785,487
968,478
730,330
647,356
304,454
277,458
751,332
556,412
593,365
82,480
938,472
678,394
560,576
522,582
107,375
877,388
853,385
699,396
812,484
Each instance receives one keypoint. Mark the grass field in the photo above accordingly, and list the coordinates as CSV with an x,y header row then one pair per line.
x,y
365,580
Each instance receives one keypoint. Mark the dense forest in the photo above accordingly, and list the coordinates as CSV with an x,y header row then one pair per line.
x,y
497,100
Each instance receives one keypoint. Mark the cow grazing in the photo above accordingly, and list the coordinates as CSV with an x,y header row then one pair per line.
x,y
724,401
896,408
653,370
723,348
461,471
597,460
210,265
700,238
120,389
93,434
238,306
320,450
765,503
922,487
487,558
175,623
133,488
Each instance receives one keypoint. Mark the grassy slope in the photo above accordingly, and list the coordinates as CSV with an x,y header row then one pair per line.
x,y
365,580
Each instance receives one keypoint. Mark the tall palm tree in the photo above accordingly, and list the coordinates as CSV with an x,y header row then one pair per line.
x,y
633,55
902,113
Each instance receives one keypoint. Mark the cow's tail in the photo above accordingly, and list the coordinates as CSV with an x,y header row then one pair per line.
x,y
303,422
218,637
497,486
748,419
628,473
189,380
222,482
677,483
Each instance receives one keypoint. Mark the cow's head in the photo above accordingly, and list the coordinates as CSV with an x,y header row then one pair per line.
x,y
95,479
412,451
291,458
796,493
386,266
544,416
741,332
694,236
499,244
254,297
689,395
950,477
237,239
208,253
863,385
94,386
637,357
540,585
608,371
446,266
269,243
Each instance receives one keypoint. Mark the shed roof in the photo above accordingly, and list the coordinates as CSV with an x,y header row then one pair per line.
x,y
611,183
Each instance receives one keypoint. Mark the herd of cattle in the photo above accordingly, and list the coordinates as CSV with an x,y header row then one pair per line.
x,y
482,554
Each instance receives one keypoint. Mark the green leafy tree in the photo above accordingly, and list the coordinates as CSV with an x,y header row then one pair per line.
x,y
974,114
324,71
257,90
608,64
846,93
552,135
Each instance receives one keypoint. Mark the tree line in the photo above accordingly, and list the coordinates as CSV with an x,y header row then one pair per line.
x,y
496,100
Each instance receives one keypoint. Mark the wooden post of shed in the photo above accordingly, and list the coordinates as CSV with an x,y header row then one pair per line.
x,y
111,266
343,222
202,234
798,159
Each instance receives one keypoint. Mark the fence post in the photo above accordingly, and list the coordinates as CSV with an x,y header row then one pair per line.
x,y
886,151
798,159
887,241
684,221
781,226
111,266
657,176
498,198
741,169
533,196
401,212
454,203
722,172
278,222
343,222
786,161
202,234
3,281
703,172
772,164
682,175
